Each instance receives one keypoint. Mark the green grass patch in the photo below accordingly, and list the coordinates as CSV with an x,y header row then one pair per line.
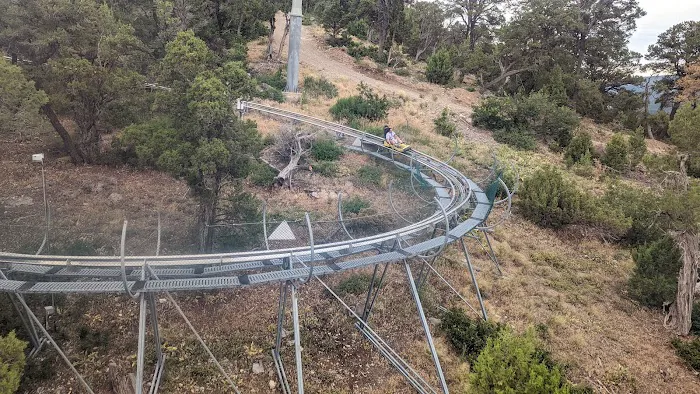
x,y
370,175
355,284
354,205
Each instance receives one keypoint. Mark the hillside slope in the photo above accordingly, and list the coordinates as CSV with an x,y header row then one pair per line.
x,y
571,282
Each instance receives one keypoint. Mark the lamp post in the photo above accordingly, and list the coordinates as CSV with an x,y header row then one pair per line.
x,y
39,158
294,47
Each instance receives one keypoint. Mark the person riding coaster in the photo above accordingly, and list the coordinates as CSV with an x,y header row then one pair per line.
x,y
391,140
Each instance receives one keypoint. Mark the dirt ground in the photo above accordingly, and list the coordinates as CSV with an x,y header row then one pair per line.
x,y
575,285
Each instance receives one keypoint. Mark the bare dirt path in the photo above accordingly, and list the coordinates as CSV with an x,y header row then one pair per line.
x,y
421,101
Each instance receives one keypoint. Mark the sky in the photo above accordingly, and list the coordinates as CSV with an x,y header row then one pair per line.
x,y
661,14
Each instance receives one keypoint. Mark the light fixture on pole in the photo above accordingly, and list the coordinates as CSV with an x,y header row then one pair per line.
x,y
39,158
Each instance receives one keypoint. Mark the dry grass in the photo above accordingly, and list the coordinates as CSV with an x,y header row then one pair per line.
x,y
577,289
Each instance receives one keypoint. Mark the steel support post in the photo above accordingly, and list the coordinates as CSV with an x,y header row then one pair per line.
x,y
36,321
142,338
17,301
281,374
492,254
370,290
474,282
160,358
368,306
28,325
426,328
424,273
294,47
196,334
297,340
420,275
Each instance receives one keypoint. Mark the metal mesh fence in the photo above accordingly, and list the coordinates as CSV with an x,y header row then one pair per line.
x,y
373,210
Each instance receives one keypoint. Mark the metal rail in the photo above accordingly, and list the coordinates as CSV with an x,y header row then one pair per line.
x,y
456,195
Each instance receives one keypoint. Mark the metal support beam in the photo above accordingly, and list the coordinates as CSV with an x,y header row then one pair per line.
x,y
369,304
492,254
450,286
17,301
196,334
36,321
413,377
297,340
140,355
474,282
425,273
28,326
160,357
370,290
426,327
281,374
294,47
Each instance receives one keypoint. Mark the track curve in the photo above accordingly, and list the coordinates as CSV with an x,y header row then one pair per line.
x,y
463,207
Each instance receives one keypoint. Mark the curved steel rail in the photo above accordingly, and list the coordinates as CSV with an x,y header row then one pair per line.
x,y
456,195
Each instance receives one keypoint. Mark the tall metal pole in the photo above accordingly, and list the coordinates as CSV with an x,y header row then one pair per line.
x,y
474,282
297,340
294,47
426,328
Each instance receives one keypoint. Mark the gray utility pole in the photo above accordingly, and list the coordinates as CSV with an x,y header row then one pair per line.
x,y
294,47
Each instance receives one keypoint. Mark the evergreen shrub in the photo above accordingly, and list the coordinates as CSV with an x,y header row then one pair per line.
x,y
367,105
326,149
536,115
549,200
617,154
518,139
637,148
358,28
467,336
689,351
655,277
316,87
443,125
579,150
513,363
354,205
440,69
326,168
12,362
262,174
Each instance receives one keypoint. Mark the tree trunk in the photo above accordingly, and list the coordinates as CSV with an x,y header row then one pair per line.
x,y
89,142
419,52
674,108
284,35
472,35
270,39
296,152
207,219
75,155
650,134
679,314
503,76
383,19
219,17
